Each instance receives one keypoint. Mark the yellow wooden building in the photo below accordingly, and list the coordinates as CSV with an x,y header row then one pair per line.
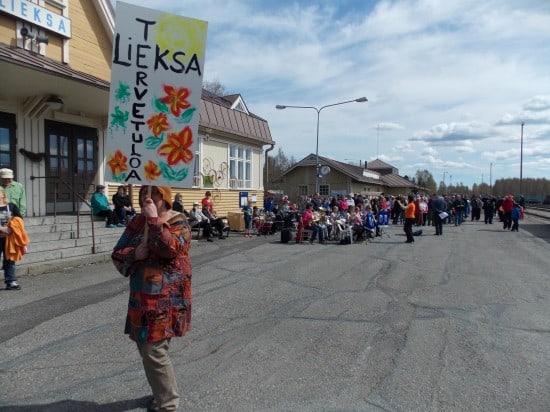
x,y
55,65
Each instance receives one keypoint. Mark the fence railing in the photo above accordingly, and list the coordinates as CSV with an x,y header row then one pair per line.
x,y
76,205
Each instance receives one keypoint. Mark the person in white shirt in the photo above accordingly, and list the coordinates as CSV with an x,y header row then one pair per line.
x,y
196,217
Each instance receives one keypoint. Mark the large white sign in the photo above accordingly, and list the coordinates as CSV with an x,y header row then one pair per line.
x,y
156,86
39,16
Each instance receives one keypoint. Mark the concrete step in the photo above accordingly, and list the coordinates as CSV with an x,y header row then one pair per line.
x,y
61,241
100,233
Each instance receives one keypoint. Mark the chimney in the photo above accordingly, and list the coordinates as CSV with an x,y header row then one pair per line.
x,y
365,165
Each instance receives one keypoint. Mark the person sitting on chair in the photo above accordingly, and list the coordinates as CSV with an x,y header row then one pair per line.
x,y
369,223
324,222
101,207
196,217
178,204
215,221
310,224
123,205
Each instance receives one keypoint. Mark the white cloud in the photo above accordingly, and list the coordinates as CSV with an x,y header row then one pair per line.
x,y
448,83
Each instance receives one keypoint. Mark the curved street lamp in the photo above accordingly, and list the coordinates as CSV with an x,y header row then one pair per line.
x,y
318,110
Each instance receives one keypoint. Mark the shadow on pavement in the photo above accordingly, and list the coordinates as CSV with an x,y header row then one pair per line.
x,y
540,230
81,406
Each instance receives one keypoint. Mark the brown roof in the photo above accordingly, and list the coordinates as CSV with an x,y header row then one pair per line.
x,y
378,164
36,61
356,172
216,113
393,180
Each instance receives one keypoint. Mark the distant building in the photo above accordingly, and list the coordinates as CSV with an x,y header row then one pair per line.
x,y
369,179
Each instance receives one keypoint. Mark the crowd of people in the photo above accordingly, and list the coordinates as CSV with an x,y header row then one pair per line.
x,y
361,217
332,217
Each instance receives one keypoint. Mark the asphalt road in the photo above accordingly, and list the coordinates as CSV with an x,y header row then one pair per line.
x,y
453,323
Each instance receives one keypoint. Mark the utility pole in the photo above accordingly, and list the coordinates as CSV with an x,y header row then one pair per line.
x,y
377,139
491,178
521,161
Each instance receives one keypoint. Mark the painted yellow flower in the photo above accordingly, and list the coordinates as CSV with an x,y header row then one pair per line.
x,y
178,33
152,171
118,162
176,99
158,123
177,146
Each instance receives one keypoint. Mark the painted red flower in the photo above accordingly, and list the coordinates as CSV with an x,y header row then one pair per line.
x,y
176,99
158,123
177,146
118,163
152,171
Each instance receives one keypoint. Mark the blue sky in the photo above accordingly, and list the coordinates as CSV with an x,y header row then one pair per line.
x,y
449,82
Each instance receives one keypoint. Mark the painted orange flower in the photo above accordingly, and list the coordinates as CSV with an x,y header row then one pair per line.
x,y
158,123
118,163
176,99
177,146
152,171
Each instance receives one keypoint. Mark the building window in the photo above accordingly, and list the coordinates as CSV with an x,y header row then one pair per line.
x,y
324,190
302,190
240,167
7,141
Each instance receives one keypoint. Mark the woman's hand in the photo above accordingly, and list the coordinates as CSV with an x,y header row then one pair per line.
x,y
141,251
149,209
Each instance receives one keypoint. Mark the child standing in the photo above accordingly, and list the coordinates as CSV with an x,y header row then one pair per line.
x,y
247,211
516,215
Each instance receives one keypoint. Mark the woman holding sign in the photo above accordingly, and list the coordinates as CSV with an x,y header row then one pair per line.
x,y
153,252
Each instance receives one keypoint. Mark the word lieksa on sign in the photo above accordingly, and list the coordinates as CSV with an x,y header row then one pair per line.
x,y
154,102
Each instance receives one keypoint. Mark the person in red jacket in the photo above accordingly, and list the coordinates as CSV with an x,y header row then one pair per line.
x,y
507,207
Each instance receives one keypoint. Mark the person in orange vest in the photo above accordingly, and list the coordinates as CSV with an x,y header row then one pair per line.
x,y
409,219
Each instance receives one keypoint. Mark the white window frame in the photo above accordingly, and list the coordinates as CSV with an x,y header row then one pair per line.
x,y
240,166
303,190
325,192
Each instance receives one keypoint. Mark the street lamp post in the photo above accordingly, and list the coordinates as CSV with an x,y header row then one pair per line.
x,y
521,162
318,110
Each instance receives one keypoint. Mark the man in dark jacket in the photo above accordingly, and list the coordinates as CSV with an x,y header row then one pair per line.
x,y
439,206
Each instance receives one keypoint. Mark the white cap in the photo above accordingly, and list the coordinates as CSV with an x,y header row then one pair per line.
x,y
6,173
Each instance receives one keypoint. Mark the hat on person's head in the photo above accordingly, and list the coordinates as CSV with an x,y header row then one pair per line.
x,y
166,193
98,187
196,203
6,173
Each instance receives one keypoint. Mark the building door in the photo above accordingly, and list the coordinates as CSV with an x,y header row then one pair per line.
x,y
7,141
72,166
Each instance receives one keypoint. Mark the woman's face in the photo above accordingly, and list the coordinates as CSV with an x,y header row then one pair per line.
x,y
156,196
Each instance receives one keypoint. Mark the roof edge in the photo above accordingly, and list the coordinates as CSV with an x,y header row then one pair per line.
x,y
106,14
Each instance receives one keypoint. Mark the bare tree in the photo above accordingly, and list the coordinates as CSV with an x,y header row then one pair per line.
x,y
425,179
215,87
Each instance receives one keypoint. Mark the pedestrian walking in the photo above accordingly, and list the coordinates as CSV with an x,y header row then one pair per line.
x,y
13,240
153,252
